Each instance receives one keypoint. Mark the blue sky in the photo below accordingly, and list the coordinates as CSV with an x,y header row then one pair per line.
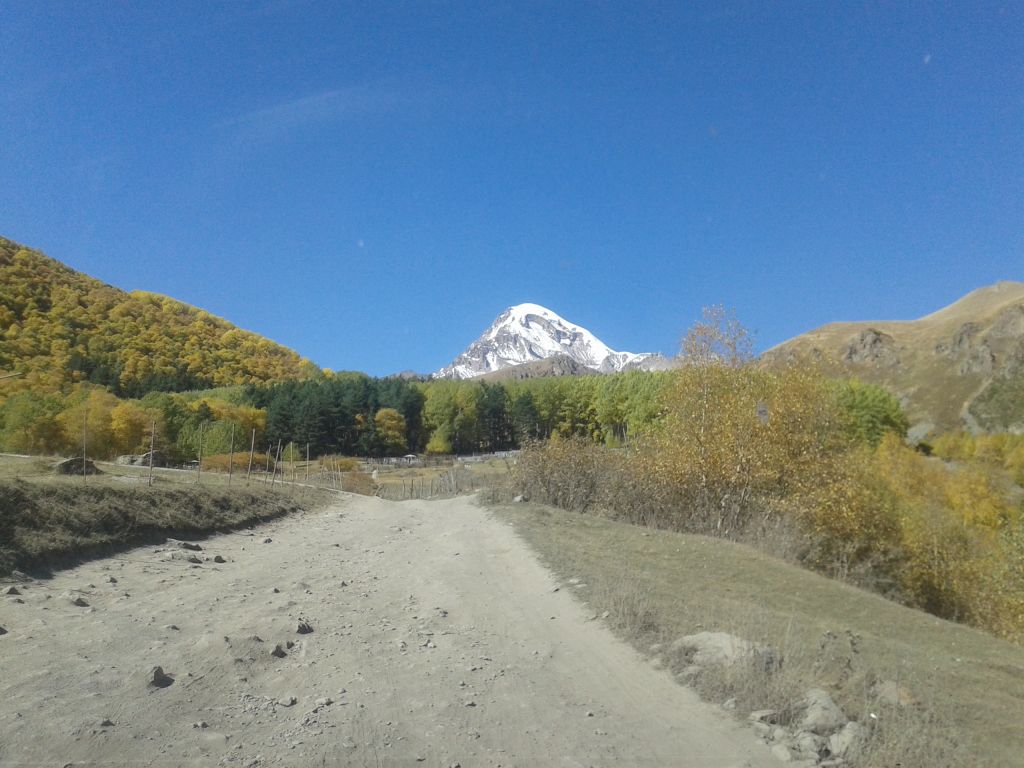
x,y
372,183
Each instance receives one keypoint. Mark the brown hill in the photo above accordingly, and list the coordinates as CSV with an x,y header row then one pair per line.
x,y
556,365
962,366
59,326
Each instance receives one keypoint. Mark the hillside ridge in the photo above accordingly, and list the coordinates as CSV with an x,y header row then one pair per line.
x,y
961,366
59,326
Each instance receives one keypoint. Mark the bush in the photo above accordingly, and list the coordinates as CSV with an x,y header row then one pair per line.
x,y
240,459
566,472
963,555
872,411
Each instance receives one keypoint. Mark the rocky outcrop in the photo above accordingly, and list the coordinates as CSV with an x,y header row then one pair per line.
x,y
961,342
872,346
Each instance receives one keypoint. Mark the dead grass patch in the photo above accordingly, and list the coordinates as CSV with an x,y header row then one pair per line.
x,y
52,523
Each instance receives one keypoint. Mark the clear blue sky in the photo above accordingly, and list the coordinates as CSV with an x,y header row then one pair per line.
x,y
372,183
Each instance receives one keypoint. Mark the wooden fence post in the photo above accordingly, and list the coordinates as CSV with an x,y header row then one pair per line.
x,y
152,448
199,465
252,448
231,455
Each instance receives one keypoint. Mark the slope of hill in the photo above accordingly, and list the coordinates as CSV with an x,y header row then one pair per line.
x,y
527,333
59,326
960,366
556,365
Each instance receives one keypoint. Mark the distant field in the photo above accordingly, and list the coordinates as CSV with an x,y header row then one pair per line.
x,y
659,585
398,482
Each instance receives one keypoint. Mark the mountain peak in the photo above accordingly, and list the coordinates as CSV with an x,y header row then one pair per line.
x,y
528,332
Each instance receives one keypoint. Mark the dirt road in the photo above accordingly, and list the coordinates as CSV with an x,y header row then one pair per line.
x,y
437,640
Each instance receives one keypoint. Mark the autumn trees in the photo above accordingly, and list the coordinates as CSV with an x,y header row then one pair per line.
x,y
756,454
61,327
345,413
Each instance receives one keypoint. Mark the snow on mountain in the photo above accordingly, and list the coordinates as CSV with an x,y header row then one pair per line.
x,y
528,332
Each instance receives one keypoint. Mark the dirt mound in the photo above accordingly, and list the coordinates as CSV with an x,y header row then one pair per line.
x,y
76,466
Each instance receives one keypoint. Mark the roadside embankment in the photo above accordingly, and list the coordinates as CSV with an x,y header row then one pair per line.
x,y
48,524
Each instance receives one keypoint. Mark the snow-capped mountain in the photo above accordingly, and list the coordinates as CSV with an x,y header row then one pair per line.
x,y
529,332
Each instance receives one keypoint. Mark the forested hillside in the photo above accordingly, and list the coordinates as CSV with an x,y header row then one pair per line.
x,y
60,327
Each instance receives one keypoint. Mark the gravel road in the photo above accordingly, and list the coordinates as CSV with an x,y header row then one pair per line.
x,y
437,639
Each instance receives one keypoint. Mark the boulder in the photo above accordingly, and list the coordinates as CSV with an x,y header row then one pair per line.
x,y
848,742
706,649
810,746
892,693
159,460
782,753
821,715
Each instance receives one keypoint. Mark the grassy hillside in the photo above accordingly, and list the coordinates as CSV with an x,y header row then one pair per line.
x,y
59,326
960,366
659,585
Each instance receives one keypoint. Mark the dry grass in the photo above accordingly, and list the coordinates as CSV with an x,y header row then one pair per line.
x,y
398,483
358,482
49,521
659,586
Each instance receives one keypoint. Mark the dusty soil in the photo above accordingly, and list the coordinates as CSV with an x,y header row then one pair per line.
x,y
437,639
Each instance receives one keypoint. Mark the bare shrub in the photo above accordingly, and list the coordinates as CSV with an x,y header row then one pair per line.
x,y
564,472
358,482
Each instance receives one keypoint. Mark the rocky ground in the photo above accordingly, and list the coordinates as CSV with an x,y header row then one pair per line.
x,y
372,633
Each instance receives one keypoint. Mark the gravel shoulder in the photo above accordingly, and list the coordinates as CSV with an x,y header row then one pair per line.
x,y
437,639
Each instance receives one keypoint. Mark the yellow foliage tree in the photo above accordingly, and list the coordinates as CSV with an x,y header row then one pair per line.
x,y
129,426
390,427
86,423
